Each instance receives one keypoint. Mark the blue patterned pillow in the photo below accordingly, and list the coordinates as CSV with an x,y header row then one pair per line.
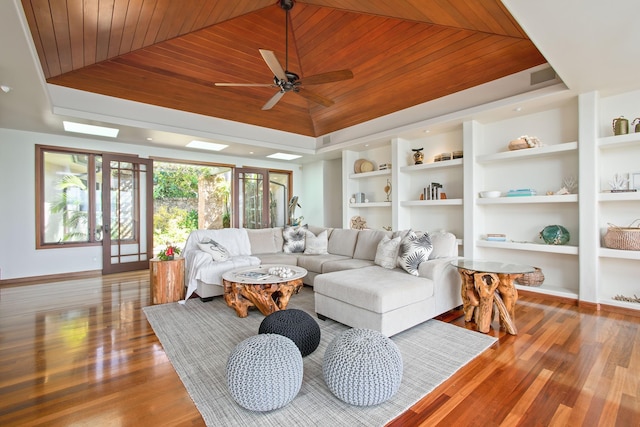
x,y
294,239
414,250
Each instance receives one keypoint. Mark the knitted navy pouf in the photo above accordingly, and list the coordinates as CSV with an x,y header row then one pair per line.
x,y
296,325
264,372
362,367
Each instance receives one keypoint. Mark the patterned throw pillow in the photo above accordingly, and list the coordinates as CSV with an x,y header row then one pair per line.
x,y
294,239
387,252
215,249
414,250
316,245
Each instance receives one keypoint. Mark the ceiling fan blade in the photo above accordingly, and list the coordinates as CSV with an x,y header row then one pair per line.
x,y
275,67
273,101
312,96
246,84
331,76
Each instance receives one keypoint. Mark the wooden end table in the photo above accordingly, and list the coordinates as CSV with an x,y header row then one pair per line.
x,y
167,280
485,283
256,287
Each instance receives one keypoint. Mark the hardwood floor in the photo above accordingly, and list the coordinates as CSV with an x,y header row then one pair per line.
x,y
81,352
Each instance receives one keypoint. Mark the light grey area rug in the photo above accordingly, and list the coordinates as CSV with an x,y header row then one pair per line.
x,y
198,338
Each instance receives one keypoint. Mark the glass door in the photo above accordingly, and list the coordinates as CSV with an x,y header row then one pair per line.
x,y
127,212
251,201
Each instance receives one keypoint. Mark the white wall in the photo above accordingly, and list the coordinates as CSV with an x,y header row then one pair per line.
x,y
18,255
322,189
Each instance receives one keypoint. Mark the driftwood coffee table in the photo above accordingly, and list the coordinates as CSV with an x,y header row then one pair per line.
x,y
257,287
485,283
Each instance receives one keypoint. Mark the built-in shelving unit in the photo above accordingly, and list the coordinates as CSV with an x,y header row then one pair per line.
x,y
577,145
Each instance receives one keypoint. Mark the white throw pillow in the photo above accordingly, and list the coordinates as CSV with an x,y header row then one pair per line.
x,y
215,249
414,250
387,252
316,245
444,244
294,239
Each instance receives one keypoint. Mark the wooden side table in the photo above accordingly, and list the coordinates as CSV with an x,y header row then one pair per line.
x,y
485,283
167,280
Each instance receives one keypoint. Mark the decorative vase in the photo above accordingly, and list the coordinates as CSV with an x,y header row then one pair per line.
x,y
555,235
418,156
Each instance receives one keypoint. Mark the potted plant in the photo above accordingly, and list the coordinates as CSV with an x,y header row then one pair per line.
x,y
169,253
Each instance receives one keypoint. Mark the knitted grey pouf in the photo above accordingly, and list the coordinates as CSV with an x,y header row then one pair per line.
x,y
362,367
296,325
264,372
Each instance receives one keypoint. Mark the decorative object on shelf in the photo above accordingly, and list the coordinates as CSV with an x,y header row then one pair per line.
x,y
169,253
570,183
525,141
562,191
490,194
387,228
627,299
620,126
535,278
496,237
387,190
437,158
432,192
636,122
443,195
457,154
624,238
619,182
445,156
358,198
362,165
418,155
521,192
634,181
358,223
555,235
384,166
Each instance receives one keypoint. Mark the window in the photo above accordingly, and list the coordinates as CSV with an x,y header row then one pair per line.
x,y
69,197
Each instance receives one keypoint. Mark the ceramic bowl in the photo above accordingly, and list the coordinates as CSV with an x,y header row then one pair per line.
x,y
490,194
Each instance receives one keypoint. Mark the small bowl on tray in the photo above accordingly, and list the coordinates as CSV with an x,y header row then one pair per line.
x,y
490,194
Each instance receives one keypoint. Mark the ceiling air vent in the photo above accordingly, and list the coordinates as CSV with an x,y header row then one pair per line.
x,y
542,76
326,140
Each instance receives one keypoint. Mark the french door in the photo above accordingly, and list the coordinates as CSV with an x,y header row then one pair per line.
x,y
127,213
251,198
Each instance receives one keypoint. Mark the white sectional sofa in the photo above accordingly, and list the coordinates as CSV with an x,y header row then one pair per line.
x,y
349,286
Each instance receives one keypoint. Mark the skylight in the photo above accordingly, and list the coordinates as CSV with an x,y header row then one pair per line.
x,y
283,156
212,146
90,129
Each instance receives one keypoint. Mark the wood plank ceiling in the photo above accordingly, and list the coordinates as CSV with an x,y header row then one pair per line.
x,y
170,53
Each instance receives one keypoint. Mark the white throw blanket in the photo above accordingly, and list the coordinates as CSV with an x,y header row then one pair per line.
x,y
200,265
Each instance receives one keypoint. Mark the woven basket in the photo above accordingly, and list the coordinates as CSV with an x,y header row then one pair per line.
x,y
625,238
535,278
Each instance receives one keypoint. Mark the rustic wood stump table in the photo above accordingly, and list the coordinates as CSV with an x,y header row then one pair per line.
x,y
257,287
485,283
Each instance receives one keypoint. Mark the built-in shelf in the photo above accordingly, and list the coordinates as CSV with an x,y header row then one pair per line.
x,y
618,253
533,247
550,290
565,198
619,197
434,165
547,150
441,202
622,304
370,174
619,140
371,205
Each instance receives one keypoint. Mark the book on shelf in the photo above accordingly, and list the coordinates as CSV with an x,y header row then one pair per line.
x,y
521,192
496,237
631,190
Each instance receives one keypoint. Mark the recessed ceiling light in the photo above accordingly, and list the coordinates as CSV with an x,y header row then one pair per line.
x,y
250,152
517,109
212,146
149,139
5,88
283,156
90,129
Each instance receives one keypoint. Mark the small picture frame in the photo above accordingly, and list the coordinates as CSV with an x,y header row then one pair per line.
x,y
634,181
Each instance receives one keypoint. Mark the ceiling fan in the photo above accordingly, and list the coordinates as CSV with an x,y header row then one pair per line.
x,y
288,81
